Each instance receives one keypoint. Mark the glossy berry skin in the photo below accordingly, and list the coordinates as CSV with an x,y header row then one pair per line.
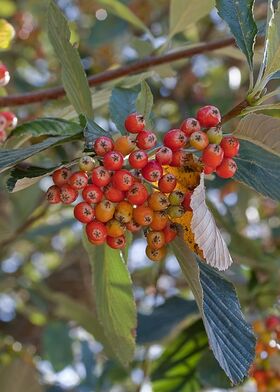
x,y
102,145
67,194
164,155
100,176
212,155
96,231
4,75
227,168
78,180
155,239
115,228
146,140
190,125
124,211
92,194
187,201
160,220
11,120
167,183
158,201
143,215
113,194
133,227
175,139
156,254
215,135
199,140
61,176
138,159
83,212
176,197
116,242
122,179
137,194
208,116
152,171
230,145
180,158
208,169
170,232
125,145
134,123
53,194
104,211
87,163
113,160
272,322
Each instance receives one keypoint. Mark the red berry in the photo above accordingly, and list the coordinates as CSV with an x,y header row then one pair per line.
x,y
208,169
272,322
102,145
212,155
122,179
190,125
133,227
113,194
175,139
167,183
230,145
164,155
67,194
100,176
116,242
61,176
138,159
3,122
227,168
199,140
92,194
146,140
53,194
134,123
180,158
170,232
187,201
11,120
152,171
83,212
78,180
4,75
208,116
96,231
137,194
113,160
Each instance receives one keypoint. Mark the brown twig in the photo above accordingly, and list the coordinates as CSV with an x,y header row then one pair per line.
x,y
94,80
234,112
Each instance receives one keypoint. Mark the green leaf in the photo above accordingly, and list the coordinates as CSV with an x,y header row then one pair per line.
x,y
91,131
145,101
56,344
19,376
122,11
259,169
7,33
261,130
122,103
175,369
184,13
164,319
9,158
231,339
47,126
23,177
115,306
239,16
73,76
210,374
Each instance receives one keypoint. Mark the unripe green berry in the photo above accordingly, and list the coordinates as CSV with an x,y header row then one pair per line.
x,y
175,211
87,163
215,135
176,198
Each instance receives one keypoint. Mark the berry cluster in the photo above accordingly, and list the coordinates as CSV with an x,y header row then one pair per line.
x,y
265,370
127,186
8,120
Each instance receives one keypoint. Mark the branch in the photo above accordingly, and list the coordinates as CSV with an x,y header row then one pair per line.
x,y
94,80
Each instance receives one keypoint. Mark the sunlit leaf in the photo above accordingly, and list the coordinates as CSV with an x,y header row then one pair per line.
x,y
145,101
7,33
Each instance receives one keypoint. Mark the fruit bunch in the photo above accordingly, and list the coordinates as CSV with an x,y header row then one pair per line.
x,y
266,370
126,186
8,120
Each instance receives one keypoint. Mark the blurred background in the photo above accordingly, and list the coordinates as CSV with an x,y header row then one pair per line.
x,y
46,341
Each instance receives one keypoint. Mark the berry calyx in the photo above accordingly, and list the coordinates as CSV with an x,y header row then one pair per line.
x,y
78,180
104,210
125,145
115,228
164,155
158,201
68,194
113,160
146,140
134,123
116,242
102,145
230,145
160,220
61,176
212,155
208,116
143,215
190,125
87,163
83,212
122,179
100,176
96,231
152,171
167,183
137,194
11,120
138,159
92,194
175,139
156,254
53,194
227,168
155,239
215,135
124,211
199,140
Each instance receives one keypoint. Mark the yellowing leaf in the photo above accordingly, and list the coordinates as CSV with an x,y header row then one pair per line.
x,y
261,130
206,234
7,33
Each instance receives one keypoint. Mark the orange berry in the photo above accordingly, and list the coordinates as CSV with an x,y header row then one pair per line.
x,y
104,211
115,228
160,220
124,211
143,215
155,239
156,254
158,201
125,145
